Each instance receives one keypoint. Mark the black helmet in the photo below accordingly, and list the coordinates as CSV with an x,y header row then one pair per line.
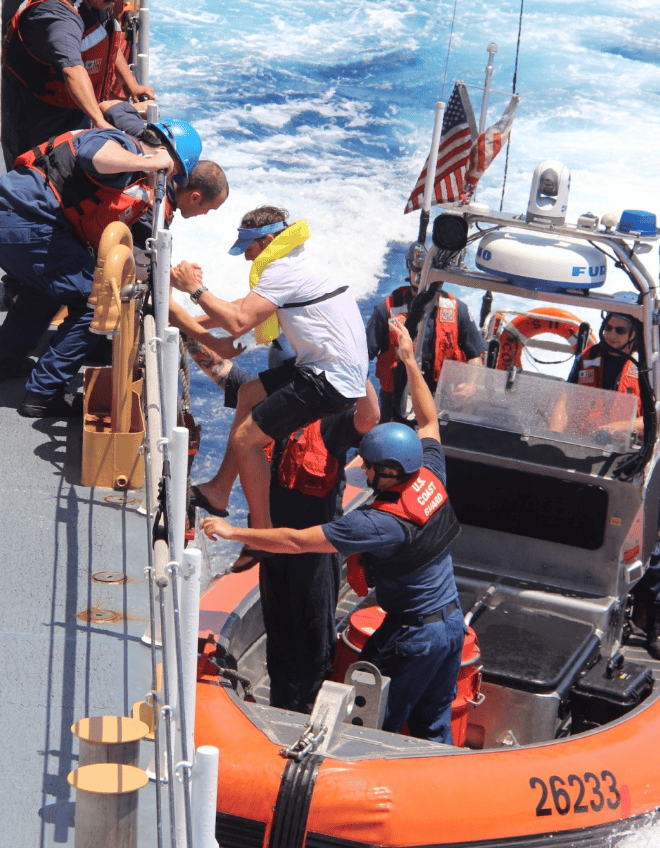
x,y
415,255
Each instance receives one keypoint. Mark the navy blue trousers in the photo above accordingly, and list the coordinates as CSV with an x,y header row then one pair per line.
x,y
423,664
55,270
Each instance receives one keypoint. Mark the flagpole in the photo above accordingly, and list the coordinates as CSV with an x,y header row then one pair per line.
x,y
492,50
430,172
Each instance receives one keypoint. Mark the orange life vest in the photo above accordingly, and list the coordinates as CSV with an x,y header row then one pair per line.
x,y
416,499
306,464
397,304
592,370
125,48
88,205
99,47
422,506
446,334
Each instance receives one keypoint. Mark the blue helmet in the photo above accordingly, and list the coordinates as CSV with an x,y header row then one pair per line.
x,y
393,443
183,141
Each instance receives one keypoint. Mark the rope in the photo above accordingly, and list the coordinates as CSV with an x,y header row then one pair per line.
x,y
188,420
184,374
515,68
514,86
451,34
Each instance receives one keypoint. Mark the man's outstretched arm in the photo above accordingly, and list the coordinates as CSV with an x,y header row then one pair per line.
x,y
278,540
422,399
236,317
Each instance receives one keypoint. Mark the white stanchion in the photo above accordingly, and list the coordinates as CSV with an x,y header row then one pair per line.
x,y
143,35
492,50
170,381
188,583
204,795
163,248
179,471
190,593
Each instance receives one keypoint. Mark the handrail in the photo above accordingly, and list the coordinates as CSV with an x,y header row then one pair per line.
x,y
173,573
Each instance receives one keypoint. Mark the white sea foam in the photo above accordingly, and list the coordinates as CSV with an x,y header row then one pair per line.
x,y
327,109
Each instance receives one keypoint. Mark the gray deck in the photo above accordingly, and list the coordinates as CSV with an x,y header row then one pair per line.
x,y
58,667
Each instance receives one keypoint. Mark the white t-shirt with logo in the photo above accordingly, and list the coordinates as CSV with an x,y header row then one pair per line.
x,y
328,336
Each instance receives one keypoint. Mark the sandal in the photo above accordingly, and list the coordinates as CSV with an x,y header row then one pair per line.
x,y
199,499
247,559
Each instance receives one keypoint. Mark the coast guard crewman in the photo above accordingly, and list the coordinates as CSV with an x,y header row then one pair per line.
x,y
59,59
443,329
381,339
606,365
298,592
54,207
403,535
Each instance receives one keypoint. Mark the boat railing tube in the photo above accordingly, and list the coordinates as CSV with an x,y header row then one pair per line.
x,y
142,71
205,788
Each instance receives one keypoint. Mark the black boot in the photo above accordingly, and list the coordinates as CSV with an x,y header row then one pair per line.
x,y
59,405
10,287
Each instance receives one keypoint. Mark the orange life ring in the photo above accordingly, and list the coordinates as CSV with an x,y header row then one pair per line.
x,y
516,333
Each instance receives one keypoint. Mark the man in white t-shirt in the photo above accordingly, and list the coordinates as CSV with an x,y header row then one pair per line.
x,y
322,322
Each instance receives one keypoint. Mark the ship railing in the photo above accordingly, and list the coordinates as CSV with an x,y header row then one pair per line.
x,y
185,779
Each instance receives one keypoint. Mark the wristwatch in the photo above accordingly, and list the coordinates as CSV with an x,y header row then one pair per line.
x,y
195,296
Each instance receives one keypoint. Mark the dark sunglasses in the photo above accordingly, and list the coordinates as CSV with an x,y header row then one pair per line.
x,y
620,331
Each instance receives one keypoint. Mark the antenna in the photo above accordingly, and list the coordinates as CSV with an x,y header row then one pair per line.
x,y
492,50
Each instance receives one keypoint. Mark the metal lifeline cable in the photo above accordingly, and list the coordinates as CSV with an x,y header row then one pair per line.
x,y
514,85
451,33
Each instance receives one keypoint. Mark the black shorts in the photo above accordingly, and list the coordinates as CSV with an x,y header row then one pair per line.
x,y
296,397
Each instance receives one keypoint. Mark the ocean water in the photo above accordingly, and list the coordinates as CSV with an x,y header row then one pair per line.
x,y
327,109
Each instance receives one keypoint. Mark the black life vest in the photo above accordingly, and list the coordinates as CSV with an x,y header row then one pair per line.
x,y
421,506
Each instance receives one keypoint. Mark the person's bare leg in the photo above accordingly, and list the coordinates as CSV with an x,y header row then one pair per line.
x,y
254,470
218,489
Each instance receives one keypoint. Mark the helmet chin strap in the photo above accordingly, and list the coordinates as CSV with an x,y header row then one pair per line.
x,y
378,477
626,350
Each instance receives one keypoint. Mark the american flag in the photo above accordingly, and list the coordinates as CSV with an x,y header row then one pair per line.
x,y
489,144
459,130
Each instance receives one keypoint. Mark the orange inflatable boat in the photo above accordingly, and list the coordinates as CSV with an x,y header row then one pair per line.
x,y
557,717
551,736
